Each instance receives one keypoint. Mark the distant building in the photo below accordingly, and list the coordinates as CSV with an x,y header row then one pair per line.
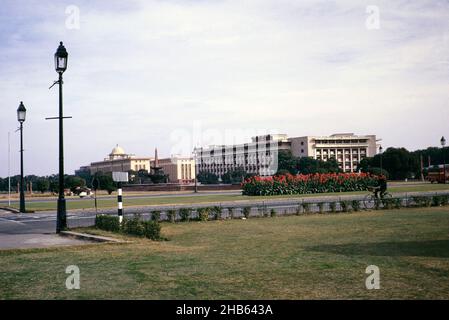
x,y
118,160
260,155
347,148
179,169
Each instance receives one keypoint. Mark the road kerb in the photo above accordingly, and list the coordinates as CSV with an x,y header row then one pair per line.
x,y
90,237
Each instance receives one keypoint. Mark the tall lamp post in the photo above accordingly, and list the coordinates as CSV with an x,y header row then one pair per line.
x,y
443,143
21,113
61,56
380,152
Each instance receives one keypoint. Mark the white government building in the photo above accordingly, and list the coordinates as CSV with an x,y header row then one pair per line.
x,y
179,169
260,155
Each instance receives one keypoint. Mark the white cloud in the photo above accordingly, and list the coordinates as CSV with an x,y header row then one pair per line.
x,y
140,70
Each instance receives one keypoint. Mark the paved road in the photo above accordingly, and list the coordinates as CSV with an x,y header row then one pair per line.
x,y
134,196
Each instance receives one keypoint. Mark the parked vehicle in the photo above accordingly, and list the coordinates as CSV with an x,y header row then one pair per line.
x,y
437,174
82,192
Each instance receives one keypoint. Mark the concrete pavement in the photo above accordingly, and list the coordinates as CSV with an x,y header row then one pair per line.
x,y
33,240
22,231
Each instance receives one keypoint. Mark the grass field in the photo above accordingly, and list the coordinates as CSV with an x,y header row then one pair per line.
x,y
294,257
176,199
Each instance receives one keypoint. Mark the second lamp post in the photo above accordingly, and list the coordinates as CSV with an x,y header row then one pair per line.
x,y
443,143
21,113
61,56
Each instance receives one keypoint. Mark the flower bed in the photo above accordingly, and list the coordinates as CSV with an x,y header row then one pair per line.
x,y
306,184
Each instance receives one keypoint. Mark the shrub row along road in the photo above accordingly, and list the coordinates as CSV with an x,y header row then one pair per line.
x,y
45,221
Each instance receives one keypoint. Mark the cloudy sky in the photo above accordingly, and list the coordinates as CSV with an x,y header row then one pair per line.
x,y
174,74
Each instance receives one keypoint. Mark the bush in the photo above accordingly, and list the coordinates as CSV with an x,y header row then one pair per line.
x,y
445,199
133,226
388,203
320,207
355,204
437,201
107,223
333,207
184,213
377,203
156,215
422,201
231,213
345,206
151,229
306,207
397,203
217,211
427,201
246,212
203,214
273,213
171,215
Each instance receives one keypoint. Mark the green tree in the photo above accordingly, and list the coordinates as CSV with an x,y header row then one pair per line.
x,y
397,163
234,176
286,161
106,182
86,176
73,182
206,177
42,184
158,177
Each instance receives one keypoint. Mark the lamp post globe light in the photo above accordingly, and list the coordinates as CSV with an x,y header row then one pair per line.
x,y
61,57
21,114
443,143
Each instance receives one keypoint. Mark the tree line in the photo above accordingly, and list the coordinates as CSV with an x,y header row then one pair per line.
x,y
51,183
397,164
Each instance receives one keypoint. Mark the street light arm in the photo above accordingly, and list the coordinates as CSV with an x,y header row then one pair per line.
x,y
54,83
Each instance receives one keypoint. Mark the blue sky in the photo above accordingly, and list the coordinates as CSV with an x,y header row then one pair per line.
x,y
174,74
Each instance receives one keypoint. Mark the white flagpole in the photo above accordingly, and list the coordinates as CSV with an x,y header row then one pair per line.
x,y
9,170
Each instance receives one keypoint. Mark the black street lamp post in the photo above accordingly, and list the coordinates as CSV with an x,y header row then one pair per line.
x,y
61,56
21,113
443,143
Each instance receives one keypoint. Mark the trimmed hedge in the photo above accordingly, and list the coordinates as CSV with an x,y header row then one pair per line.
x,y
185,213
107,223
171,215
217,212
246,212
132,226
203,213
230,212
156,215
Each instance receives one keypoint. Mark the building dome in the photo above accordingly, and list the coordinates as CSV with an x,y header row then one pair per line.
x,y
117,151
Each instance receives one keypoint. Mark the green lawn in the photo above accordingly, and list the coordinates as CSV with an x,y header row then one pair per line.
x,y
295,257
112,203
